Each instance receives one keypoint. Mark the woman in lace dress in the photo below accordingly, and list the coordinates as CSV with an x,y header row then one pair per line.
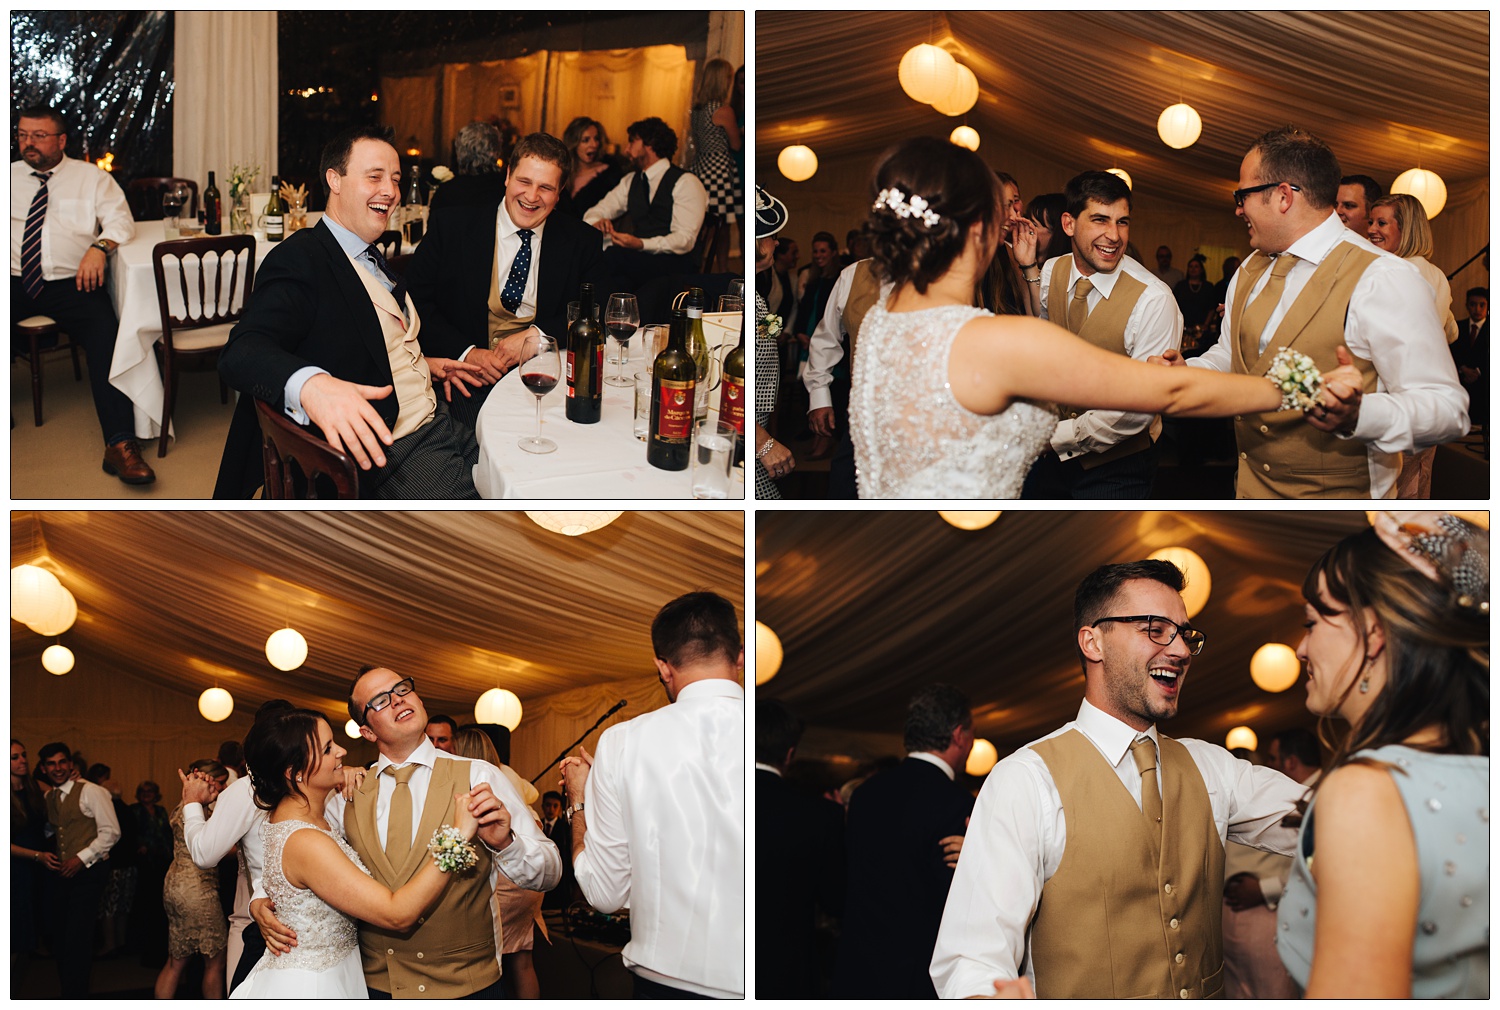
x,y
950,401
1396,902
196,923
316,881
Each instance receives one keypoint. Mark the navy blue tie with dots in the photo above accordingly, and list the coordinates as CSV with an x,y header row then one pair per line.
x,y
515,284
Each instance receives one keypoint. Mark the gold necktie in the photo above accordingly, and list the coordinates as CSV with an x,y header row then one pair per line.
x,y
1144,752
398,830
1259,311
1078,308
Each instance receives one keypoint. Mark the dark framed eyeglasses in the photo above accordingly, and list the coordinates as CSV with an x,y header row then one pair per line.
x,y
382,701
1240,194
26,137
1162,631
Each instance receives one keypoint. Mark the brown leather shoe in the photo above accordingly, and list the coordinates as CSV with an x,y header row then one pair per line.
x,y
124,460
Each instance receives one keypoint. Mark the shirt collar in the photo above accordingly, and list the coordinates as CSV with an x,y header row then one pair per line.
x,y
1319,242
658,169
506,227
1110,735
425,755
933,759
761,766
713,687
347,240
1102,282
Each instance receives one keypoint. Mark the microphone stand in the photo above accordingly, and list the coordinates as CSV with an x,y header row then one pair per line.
x,y
580,740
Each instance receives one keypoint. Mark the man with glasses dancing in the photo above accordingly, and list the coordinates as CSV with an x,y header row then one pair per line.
x,y
407,795
1094,860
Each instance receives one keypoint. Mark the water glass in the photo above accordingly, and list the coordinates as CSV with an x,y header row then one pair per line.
x,y
731,303
713,458
643,405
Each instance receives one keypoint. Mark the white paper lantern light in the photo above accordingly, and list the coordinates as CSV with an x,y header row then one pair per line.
x,y
981,759
969,520
1241,736
768,653
797,162
1179,125
57,659
351,729
58,617
927,73
1428,187
215,704
32,591
1275,667
1194,570
1129,182
499,706
965,136
573,524
286,649
963,96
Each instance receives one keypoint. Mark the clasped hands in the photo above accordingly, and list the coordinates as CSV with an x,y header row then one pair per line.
x,y
1338,401
575,774
622,239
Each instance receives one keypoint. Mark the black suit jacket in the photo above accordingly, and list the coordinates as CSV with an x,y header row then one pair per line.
x,y
799,868
561,835
898,882
309,308
1475,354
449,276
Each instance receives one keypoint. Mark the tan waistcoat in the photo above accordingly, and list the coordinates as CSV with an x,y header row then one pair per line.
x,y
76,830
1281,455
864,292
451,951
1105,329
415,400
1118,919
504,322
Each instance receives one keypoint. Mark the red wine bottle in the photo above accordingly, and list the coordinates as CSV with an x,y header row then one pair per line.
x,y
213,209
732,393
585,362
674,377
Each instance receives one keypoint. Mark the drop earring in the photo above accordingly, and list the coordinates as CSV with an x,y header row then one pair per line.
x,y
1364,686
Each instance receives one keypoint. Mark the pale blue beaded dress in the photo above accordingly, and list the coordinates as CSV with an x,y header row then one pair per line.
x,y
1447,799
912,439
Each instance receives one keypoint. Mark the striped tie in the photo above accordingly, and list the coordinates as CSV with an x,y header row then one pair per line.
x,y
31,240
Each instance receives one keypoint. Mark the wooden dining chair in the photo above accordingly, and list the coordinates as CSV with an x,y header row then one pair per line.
x,y
37,330
705,248
144,195
296,461
219,303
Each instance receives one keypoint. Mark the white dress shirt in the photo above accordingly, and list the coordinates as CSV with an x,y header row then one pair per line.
x,y
1155,326
1392,323
1442,291
95,802
84,204
1018,832
236,821
665,818
689,203
825,348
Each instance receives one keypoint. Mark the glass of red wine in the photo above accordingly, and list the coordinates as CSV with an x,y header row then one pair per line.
x,y
622,317
541,367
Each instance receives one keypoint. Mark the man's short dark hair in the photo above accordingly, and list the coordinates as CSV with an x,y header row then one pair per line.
x,y
1481,292
446,720
97,773
932,715
777,730
696,627
231,754
477,149
54,748
1289,154
336,151
45,112
544,147
655,134
1101,187
1301,743
356,712
1098,589
1373,190
551,794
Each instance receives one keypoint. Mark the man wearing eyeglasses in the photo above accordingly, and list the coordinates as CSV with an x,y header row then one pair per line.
x,y
1320,289
66,217
409,793
1094,860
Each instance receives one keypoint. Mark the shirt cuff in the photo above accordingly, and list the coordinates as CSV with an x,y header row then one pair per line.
x,y
294,386
819,397
1270,889
464,356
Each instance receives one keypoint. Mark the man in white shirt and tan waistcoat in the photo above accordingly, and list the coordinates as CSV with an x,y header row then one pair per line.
x,y
1318,288
1113,302
658,813
1094,860
83,815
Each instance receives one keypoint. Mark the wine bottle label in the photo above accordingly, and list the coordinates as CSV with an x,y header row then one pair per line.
x,y
732,403
674,420
596,380
570,375
274,222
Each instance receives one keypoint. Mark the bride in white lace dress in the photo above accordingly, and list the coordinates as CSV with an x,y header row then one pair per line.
x,y
950,401
317,882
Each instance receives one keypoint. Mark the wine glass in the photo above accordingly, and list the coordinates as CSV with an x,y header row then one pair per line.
x,y
737,289
540,367
621,319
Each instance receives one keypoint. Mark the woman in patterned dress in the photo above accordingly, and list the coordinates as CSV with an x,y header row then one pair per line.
x,y
772,459
716,135
195,920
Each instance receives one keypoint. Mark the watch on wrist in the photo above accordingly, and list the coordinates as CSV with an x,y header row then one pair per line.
x,y
575,808
102,246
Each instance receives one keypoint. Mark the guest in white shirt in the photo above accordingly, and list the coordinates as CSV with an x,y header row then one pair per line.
x,y
66,217
661,822
1094,860
666,206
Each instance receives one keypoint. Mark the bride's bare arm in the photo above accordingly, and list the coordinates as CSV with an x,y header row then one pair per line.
x,y
996,360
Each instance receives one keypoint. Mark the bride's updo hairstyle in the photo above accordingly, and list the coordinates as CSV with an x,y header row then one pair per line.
x,y
926,194
278,749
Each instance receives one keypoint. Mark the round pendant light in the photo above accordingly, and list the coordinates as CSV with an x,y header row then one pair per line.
x,y
32,591
927,73
1241,736
351,729
1194,572
215,704
981,759
969,520
58,616
797,162
57,659
963,96
965,136
573,524
1275,667
498,706
1129,183
1179,125
768,653
286,649
1427,187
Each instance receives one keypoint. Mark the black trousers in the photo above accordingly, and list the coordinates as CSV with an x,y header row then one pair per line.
x,y
255,946
1120,479
89,318
628,269
72,908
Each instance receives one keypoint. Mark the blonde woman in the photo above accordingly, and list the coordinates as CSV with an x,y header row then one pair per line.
x,y
716,136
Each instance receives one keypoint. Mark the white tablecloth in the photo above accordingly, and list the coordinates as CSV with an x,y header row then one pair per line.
x,y
603,460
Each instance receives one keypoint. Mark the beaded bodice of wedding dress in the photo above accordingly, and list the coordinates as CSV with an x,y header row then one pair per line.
x,y
325,936
912,439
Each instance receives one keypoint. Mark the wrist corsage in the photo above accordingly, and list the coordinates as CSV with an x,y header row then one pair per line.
x,y
451,851
1298,379
770,325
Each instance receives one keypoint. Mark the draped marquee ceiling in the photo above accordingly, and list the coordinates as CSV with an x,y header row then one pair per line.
x,y
1374,84
871,606
465,601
